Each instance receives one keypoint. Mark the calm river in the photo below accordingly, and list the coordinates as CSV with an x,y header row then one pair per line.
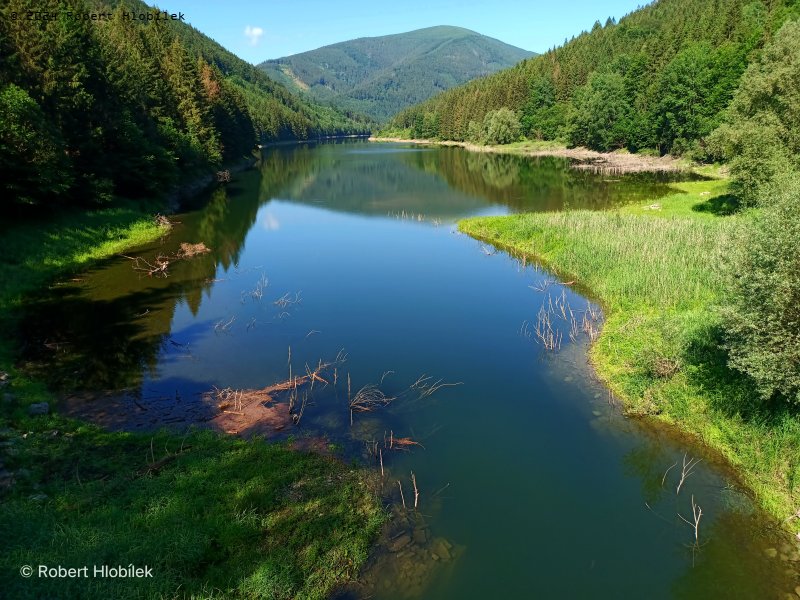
x,y
531,483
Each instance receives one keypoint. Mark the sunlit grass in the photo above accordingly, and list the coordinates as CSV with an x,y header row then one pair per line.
x,y
245,519
657,273
36,251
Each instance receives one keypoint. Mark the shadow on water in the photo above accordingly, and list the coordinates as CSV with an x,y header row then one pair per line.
x,y
530,481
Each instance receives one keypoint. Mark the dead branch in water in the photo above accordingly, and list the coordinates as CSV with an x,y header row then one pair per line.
x,y
664,478
368,398
697,514
154,269
160,265
400,485
258,292
163,221
288,300
425,388
296,417
688,466
402,443
223,325
541,287
416,491
228,398
441,489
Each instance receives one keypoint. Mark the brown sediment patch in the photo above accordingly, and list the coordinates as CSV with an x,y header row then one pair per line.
x,y
243,412
252,412
585,159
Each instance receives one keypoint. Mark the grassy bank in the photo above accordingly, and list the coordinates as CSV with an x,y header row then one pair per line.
x,y
656,270
210,515
38,250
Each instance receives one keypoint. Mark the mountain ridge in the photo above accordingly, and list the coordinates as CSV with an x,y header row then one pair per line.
x,y
379,76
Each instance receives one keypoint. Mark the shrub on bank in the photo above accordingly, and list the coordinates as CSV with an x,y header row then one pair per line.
x,y
763,313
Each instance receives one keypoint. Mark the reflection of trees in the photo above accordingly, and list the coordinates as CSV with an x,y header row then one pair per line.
x,y
539,183
372,183
106,333
112,327
440,182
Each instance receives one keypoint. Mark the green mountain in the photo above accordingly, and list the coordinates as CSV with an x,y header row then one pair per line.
x,y
92,109
378,76
659,78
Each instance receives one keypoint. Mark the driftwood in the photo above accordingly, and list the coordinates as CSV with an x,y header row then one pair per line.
x,y
191,250
160,265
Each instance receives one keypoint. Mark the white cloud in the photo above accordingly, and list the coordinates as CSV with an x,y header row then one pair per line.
x,y
253,34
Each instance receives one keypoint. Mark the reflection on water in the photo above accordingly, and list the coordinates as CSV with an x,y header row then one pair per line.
x,y
530,482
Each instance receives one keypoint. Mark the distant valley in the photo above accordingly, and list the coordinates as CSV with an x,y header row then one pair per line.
x,y
379,76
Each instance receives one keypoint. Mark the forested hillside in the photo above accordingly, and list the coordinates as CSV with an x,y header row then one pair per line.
x,y
378,76
90,109
660,78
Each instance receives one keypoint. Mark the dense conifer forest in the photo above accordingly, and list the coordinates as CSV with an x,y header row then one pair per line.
x,y
92,109
659,79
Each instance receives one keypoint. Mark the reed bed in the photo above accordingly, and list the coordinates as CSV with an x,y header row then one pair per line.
x,y
657,262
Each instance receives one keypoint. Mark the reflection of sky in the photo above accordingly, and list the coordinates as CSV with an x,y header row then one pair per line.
x,y
270,222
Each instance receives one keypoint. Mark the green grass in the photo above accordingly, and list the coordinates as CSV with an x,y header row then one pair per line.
x,y
223,517
35,251
657,275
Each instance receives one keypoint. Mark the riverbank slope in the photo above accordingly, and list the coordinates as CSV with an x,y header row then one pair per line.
x,y
656,270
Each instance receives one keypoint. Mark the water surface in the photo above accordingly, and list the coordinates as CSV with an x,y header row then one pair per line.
x,y
529,477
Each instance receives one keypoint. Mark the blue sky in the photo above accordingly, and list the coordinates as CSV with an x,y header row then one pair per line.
x,y
257,31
